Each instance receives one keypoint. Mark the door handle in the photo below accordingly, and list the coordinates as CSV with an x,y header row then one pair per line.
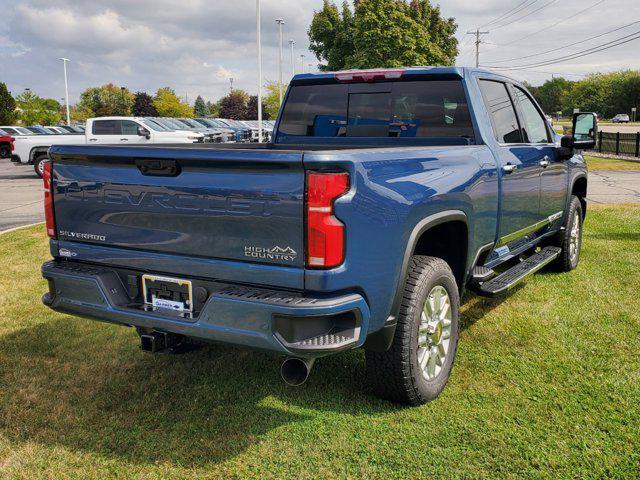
x,y
545,162
509,168
124,139
93,139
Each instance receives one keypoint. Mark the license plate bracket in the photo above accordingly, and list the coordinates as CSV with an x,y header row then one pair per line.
x,y
174,294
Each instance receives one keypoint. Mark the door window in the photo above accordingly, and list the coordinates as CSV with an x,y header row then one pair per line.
x,y
534,127
129,127
106,127
502,111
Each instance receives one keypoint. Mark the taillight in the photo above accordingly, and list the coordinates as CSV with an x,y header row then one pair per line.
x,y
48,200
325,233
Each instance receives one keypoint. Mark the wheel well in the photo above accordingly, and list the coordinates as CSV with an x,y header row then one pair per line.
x,y
580,190
448,241
37,152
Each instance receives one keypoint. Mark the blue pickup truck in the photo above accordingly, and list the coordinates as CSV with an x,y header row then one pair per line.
x,y
383,196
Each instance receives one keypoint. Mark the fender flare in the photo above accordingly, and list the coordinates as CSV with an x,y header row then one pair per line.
x,y
572,184
380,341
35,151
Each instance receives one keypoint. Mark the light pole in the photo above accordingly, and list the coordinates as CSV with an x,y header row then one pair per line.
x,y
280,22
259,71
293,64
302,62
66,89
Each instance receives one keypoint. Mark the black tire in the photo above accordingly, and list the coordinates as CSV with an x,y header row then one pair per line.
x,y
568,261
396,374
38,162
5,151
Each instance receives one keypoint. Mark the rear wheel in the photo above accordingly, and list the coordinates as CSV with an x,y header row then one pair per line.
x,y
38,164
5,151
417,366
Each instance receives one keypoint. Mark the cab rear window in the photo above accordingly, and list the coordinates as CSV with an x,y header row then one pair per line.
x,y
410,109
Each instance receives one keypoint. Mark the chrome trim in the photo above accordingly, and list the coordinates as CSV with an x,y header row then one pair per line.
x,y
526,230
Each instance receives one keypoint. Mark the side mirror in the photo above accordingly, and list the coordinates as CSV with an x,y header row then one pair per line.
x,y
143,132
585,131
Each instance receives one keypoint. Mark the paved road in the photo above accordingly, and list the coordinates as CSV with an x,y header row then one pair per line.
x,y
21,192
20,196
616,186
622,128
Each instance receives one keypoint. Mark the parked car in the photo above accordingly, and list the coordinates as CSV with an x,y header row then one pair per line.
x,y
14,130
621,118
32,143
32,149
6,144
213,135
243,134
347,231
63,130
179,126
229,135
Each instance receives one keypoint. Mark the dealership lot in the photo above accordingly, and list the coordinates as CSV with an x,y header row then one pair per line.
x,y
20,196
21,192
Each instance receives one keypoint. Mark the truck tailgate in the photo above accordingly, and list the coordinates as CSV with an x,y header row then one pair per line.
x,y
227,204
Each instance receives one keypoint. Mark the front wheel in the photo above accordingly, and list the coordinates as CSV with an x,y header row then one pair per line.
x,y
417,366
569,238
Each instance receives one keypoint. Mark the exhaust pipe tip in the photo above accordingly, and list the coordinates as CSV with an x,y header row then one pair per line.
x,y
295,371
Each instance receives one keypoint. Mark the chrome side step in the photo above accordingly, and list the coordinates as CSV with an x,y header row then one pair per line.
x,y
507,280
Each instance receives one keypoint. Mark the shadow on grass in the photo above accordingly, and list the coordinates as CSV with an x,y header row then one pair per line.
x,y
475,307
88,387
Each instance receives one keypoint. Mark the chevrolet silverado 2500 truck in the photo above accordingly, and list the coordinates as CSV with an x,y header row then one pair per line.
x,y
383,195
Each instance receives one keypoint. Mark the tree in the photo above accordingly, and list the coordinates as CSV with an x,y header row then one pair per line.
x,y
252,109
35,110
7,106
200,107
382,33
169,105
213,109
106,100
272,100
553,94
143,105
234,105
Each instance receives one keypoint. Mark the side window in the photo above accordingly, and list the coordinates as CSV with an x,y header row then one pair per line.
x,y
106,127
502,111
534,128
129,127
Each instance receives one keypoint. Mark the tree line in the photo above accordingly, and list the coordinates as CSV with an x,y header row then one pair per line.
x,y
607,94
28,108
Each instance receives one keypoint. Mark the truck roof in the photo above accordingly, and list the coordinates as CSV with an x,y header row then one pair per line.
x,y
379,72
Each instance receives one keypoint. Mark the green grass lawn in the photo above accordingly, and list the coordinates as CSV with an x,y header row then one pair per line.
x,y
546,385
598,163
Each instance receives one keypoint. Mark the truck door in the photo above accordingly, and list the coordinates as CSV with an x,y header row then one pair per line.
x,y
129,133
519,164
554,172
104,132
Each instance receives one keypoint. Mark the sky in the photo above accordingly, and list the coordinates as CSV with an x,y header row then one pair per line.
x,y
196,46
